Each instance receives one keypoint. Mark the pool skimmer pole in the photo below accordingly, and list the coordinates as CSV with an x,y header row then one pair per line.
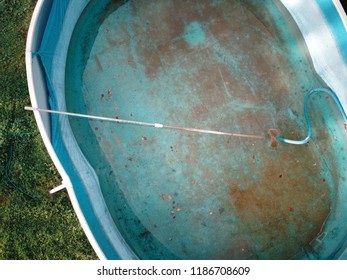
x,y
155,125
273,133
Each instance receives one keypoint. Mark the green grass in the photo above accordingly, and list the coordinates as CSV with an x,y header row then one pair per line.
x,y
44,228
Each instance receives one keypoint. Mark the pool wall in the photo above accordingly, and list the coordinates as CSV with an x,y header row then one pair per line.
x,y
45,63
46,68
322,24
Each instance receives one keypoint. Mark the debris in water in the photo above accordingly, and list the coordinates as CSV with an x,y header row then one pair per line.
x,y
109,93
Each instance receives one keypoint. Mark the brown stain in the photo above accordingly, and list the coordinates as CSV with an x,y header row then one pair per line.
x,y
258,64
158,38
250,121
277,209
200,112
206,81
162,44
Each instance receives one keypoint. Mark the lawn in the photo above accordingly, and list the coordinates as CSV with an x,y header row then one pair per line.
x,y
33,223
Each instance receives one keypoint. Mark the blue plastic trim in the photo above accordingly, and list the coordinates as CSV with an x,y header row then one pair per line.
x,y
307,97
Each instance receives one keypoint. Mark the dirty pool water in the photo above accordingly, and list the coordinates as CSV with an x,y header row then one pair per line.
x,y
235,66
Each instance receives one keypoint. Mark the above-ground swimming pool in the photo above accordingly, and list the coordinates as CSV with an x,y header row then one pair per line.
x,y
234,66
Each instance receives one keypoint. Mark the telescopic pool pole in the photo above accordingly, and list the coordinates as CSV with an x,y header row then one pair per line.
x,y
155,125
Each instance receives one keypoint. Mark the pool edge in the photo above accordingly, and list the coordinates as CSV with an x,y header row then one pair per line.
x,y
37,89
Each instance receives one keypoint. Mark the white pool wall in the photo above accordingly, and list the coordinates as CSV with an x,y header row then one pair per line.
x,y
324,50
341,12
324,41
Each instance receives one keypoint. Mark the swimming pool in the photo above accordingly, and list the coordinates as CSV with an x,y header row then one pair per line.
x,y
234,66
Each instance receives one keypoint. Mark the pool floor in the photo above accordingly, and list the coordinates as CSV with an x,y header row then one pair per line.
x,y
234,66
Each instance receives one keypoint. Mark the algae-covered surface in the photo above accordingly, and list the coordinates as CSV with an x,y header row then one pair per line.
x,y
234,66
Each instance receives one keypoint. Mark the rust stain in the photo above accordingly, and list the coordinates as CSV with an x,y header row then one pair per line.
x,y
277,209
200,112
278,195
